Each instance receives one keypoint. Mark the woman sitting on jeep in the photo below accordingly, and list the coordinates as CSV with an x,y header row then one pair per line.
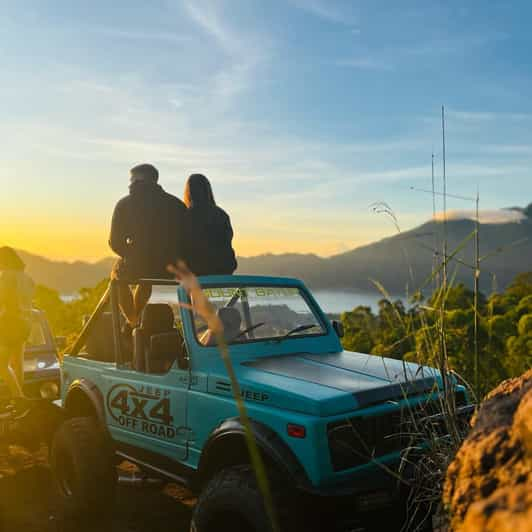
x,y
209,248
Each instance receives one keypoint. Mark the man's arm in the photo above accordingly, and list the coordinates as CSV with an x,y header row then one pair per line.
x,y
118,236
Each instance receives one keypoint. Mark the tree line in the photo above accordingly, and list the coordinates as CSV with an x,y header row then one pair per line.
x,y
504,335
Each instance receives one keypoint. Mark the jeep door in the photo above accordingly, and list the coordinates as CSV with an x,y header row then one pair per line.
x,y
146,410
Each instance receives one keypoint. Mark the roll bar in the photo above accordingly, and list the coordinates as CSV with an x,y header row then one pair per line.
x,y
111,295
78,344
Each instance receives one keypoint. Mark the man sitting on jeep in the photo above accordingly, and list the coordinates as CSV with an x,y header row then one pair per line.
x,y
147,232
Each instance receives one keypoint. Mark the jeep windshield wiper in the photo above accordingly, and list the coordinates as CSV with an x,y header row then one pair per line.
x,y
298,329
249,329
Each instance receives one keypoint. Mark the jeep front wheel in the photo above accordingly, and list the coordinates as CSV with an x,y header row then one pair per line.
x,y
83,469
232,501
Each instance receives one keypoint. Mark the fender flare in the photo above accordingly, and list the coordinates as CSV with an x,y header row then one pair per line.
x,y
269,442
92,393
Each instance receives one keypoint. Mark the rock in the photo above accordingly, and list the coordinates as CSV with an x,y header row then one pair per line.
x,y
489,483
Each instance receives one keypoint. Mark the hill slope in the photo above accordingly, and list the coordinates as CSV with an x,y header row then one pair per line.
x,y
66,277
397,262
406,259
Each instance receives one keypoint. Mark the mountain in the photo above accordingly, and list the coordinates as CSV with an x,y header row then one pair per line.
x,y
66,277
401,261
405,260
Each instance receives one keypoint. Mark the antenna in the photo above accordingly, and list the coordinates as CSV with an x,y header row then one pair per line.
x,y
436,281
444,202
449,398
476,283
433,189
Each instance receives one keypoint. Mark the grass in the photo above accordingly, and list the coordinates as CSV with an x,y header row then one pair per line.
x,y
202,306
426,452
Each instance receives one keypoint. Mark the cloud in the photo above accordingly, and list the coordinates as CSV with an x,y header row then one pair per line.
x,y
205,15
176,103
326,10
365,63
245,52
487,216
508,149
390,58
486,116
139,35
454,44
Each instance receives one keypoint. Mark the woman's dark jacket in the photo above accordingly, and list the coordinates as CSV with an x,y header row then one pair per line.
x,y
209,237
147,231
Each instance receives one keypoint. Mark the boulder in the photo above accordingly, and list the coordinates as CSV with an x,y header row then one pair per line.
x,y
489,483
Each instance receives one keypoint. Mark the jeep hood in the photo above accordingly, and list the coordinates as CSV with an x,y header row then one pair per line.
x,y
329,384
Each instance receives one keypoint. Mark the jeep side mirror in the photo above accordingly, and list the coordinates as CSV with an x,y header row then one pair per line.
x,y
338,326
60,342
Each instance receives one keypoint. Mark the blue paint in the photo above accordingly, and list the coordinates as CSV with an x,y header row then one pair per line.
x,y
310,381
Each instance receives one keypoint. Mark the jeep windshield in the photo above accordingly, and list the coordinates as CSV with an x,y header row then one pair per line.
x,y
259,313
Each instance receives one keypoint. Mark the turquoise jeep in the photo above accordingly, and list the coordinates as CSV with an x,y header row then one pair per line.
x,y
328,422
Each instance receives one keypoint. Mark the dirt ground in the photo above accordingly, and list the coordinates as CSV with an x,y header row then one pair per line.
x,y
26,502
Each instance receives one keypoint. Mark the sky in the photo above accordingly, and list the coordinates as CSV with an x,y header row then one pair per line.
x,y
303,114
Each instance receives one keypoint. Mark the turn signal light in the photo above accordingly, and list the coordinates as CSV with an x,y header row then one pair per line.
x,y
296,431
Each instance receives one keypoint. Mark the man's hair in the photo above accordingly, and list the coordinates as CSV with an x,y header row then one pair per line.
x,y
146,172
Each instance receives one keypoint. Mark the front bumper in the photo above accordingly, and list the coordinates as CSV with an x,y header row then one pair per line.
x,y
387,473
373,476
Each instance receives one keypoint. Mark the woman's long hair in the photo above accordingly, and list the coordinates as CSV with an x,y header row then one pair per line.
x,y
9,260
198,192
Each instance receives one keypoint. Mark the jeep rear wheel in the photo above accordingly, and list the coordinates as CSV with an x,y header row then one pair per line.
x,y
232,501
83,469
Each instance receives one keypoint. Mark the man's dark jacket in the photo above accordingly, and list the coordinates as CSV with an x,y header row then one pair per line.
x,y
209,248
147,231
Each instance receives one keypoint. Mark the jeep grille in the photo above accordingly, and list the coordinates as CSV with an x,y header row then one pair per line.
x,y
357,440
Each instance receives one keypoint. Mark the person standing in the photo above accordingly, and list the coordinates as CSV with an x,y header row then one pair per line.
x,y
16,294
209,249
147,233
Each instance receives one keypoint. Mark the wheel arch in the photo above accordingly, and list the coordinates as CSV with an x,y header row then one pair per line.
x,y
227,446
84,399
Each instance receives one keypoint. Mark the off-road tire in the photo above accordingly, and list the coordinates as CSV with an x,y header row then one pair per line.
x,y
83,470
231,501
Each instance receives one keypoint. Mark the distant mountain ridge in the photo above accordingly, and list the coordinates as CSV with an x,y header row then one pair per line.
x,y
404,261
397,262
65,277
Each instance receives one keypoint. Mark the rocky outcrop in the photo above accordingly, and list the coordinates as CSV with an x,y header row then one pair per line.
x,y
489,483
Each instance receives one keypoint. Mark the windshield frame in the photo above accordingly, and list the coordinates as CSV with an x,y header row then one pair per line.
x,y
259,283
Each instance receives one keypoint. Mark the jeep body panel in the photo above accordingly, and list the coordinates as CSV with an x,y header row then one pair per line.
x,y
134,404
308,381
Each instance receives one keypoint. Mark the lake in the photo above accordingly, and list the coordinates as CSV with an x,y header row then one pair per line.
x,y
334,302
331,301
